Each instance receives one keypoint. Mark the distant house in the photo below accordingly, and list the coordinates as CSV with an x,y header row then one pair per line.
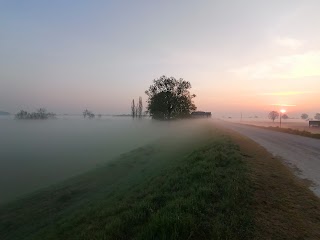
x,y
200,114
314,123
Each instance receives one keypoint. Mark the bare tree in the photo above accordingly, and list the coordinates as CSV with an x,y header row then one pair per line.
x,y
273,115
87,113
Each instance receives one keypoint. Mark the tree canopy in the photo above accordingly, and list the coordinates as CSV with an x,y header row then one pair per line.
x,y
170,98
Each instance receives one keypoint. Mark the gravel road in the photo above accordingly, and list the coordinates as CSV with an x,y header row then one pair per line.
x,y
301,153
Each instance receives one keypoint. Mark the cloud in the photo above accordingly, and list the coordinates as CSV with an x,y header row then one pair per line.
x,y
290,93
288,42
291,66
283,105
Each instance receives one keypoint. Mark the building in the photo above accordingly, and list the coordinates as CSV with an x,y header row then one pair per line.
x,y
200,114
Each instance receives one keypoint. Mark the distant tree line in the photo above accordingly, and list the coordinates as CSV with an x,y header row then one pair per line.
x,y
305,116
41,113
273,115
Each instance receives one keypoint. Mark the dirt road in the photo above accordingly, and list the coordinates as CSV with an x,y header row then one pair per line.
x,y
300,153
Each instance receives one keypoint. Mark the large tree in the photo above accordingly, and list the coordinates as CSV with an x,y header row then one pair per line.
x,y
170,98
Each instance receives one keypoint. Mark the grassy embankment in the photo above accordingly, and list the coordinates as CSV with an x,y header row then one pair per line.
x,y
283,205
209,189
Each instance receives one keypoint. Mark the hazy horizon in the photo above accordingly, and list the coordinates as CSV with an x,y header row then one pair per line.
x,y
250,57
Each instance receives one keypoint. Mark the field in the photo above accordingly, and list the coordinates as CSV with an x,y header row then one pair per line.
x,y
204,183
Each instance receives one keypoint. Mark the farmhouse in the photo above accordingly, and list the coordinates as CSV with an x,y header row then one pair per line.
x,y
200,114
314,123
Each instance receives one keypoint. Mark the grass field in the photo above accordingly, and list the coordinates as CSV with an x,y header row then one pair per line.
x,y
213,185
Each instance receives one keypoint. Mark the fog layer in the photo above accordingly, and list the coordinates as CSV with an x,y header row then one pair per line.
x,y
35,153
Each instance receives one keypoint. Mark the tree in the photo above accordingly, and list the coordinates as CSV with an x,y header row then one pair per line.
x,y
22,115
41,113
133,109
170,98
304,116
285,116
87,113
317,116
91,115
140,107
273,115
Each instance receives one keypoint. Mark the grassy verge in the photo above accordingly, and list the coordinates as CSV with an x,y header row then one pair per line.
x,y
283,206
198,192
291,131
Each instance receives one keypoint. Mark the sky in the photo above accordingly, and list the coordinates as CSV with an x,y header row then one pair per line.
x,y
240,56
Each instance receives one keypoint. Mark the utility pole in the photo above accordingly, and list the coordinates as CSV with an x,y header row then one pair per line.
x,y
281,112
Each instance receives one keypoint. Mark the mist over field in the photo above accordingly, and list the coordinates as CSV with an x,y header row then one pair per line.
x,y
36,153
159,120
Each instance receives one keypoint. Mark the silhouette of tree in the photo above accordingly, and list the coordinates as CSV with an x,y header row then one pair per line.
x,y
91,115
22,115
170,98
140,108
285,116
304,116
133,109
41,113
317,116
273,115
87,113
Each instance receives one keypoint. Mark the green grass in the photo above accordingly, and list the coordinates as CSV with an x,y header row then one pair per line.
x,y
195,189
